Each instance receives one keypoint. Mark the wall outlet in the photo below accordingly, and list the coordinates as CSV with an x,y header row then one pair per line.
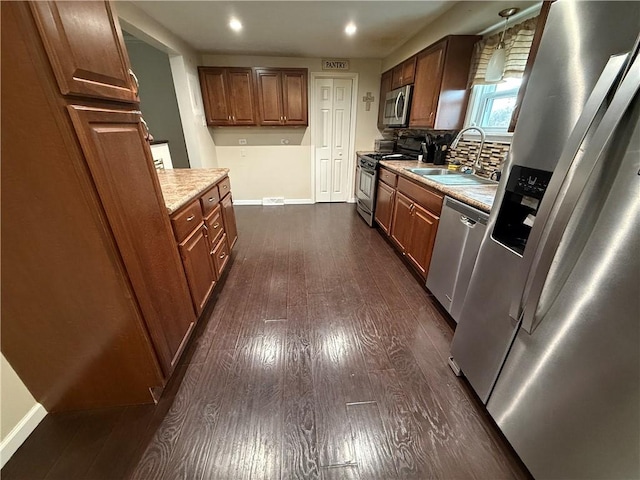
x,y
242,141
284,141
243,152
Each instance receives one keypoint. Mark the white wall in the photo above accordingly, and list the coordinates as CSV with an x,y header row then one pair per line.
x,y
464,18
269,169
184,65
20,414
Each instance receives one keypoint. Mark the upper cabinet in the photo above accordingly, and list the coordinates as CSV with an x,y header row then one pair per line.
x,y
228,96
385,87
258,96
89,59
440,88
281,96
404,74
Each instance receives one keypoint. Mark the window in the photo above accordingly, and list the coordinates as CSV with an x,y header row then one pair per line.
x,y
491,106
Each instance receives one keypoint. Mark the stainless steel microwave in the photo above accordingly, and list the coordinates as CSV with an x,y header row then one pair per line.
x,y
396,107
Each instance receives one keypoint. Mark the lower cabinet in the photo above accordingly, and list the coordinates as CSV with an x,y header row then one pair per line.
x,y
410,215
384,206
195,253
204,230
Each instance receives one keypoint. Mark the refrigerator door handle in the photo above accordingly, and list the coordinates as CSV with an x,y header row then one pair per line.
x,y
618,108
601,91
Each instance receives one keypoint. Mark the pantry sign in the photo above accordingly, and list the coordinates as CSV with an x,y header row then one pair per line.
x,y
335,64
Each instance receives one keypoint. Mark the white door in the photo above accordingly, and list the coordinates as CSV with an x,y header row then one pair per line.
x,y
333,125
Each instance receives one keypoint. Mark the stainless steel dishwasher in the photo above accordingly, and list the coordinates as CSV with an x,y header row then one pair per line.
x,y
460,232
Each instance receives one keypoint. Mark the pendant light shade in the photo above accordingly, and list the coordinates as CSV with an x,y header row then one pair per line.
x,y
495,67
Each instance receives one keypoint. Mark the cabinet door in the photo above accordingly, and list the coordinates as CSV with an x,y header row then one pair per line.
x,y
396,80
427,87
385,87
401,224
229,219
408,71
86,50
121,166
294,97
241,96
196,258
384,206
422,238
269,99
215,96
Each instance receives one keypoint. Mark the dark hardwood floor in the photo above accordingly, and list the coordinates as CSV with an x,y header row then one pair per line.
x,y
321,357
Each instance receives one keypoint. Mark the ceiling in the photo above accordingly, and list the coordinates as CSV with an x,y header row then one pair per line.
x,y
296,28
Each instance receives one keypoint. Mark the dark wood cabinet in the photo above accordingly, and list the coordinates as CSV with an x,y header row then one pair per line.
x,y
229,219
422,239
440,87
122,168
384,206
404,73
401,223
86,50
198,266
385,87
228,96
281,96
93,284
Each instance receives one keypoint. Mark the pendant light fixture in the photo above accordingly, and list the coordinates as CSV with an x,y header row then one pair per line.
x,y
495,67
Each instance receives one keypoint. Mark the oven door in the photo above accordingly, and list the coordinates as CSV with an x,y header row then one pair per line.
x,y
366,187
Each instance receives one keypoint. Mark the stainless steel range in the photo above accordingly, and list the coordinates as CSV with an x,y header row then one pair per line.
x,y
366,178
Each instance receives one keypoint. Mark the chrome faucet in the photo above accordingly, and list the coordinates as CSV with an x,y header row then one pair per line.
x,y
477,164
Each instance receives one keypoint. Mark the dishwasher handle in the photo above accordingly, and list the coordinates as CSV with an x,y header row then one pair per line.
x,y
467,221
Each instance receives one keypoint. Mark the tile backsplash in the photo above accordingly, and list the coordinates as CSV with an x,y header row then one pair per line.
x,y
493,153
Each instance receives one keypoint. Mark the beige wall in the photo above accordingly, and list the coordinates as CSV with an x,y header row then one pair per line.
x,y
464,18
15,399
184,65
266,168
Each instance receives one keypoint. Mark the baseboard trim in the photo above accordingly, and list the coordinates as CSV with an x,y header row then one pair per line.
x,y
20,433
298,201
287,201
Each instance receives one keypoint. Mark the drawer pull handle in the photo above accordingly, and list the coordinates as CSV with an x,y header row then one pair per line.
x,y
224,187
135,80
212,199
216,225
222,256
190,217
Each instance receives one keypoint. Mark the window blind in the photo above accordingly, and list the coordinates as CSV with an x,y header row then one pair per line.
x,y
517,41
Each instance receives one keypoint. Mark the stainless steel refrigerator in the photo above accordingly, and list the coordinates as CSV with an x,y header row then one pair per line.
x,y
549,334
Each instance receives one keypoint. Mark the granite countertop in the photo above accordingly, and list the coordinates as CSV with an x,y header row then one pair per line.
x,y
478,196
181,185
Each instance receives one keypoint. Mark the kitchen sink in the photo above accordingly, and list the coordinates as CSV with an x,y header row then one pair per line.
x,y
431,171
461,179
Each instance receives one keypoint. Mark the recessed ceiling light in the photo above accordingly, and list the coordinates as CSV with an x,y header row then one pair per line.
x,y
350,29
235,25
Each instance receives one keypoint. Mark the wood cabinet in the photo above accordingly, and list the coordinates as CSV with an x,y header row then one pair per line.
x,y
202,228
409,214
385,87
440,92
404,73
384,206
96,307
228,96
89,58
281,96
196,252
229,218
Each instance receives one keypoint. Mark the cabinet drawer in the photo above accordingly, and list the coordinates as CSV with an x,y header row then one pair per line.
x,y
224,187
209,200
388,177
186,221
421,195
221,255
215,225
